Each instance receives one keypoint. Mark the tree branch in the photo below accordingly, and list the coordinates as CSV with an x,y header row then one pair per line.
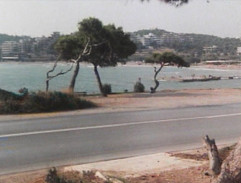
x,y
60,73
49,77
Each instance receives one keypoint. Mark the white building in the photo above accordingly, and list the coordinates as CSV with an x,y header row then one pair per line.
x,y
10,50
210,49
151,38
136,38
238,50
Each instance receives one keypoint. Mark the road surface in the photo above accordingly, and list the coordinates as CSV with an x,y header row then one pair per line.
x,y
29,144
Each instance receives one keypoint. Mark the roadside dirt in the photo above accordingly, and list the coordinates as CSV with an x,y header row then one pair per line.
x,y
168,99
174,174
186,175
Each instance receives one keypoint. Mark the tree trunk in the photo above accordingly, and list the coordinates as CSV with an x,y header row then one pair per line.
x,y
213,155
231,168
47,86
153,89
72,82
99,81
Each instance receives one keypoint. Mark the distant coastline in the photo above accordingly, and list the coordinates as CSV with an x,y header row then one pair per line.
x,y
141,64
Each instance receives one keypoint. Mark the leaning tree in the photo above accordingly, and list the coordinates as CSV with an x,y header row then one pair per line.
x,y
74,49
95,43
113,45
165,59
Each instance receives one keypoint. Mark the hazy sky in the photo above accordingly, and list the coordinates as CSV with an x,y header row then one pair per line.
x,y
42,17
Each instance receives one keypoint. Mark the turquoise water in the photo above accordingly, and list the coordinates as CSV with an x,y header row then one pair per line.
x,y
14,76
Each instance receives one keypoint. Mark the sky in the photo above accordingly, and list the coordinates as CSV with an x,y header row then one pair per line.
x,y
42,17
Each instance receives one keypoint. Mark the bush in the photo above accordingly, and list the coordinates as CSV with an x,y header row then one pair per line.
x,y
44,102
23,91
10,106
139,87
54,176
107,89
6,95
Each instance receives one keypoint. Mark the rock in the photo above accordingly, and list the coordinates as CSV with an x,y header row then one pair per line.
x,y
100,175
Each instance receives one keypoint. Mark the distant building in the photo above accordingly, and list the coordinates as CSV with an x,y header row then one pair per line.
x,y
210,49
10,50
239,51
135,38
150,39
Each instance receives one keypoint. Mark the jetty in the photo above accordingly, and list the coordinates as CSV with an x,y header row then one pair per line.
x,y
202,79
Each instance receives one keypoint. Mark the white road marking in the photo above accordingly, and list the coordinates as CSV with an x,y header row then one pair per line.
x,y
115,125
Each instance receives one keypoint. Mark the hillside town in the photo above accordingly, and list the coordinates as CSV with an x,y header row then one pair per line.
x,y
194,48
30,49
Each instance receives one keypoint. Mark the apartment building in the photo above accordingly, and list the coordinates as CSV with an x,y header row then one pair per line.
x,y
10,50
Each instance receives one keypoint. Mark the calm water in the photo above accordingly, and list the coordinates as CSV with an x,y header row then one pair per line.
x,y
14,76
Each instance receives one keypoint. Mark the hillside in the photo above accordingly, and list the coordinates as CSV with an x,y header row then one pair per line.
x,y
198,46
5,37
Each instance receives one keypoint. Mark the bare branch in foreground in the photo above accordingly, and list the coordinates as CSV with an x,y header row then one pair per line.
x,y
49,77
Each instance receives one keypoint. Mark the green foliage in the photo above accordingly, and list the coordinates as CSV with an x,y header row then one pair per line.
x,y
168,58
5,37
44,102
92,28
6,95
106,88
139,87
109,44
23,91
52,176
69,47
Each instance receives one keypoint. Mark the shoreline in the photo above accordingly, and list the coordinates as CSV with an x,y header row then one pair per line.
x,y
14,77
136,63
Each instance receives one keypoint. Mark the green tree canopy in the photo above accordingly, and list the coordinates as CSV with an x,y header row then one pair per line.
x,y
109,44
168,58
69,46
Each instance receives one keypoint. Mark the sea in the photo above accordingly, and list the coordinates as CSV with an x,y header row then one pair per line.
x,y
17,75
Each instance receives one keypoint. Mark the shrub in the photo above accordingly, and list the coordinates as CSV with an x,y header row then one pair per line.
x,y
106,89
10,106
6,95
44,102
139,87
23,91
52,176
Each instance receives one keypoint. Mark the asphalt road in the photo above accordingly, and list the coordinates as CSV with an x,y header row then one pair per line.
x,y
29,144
